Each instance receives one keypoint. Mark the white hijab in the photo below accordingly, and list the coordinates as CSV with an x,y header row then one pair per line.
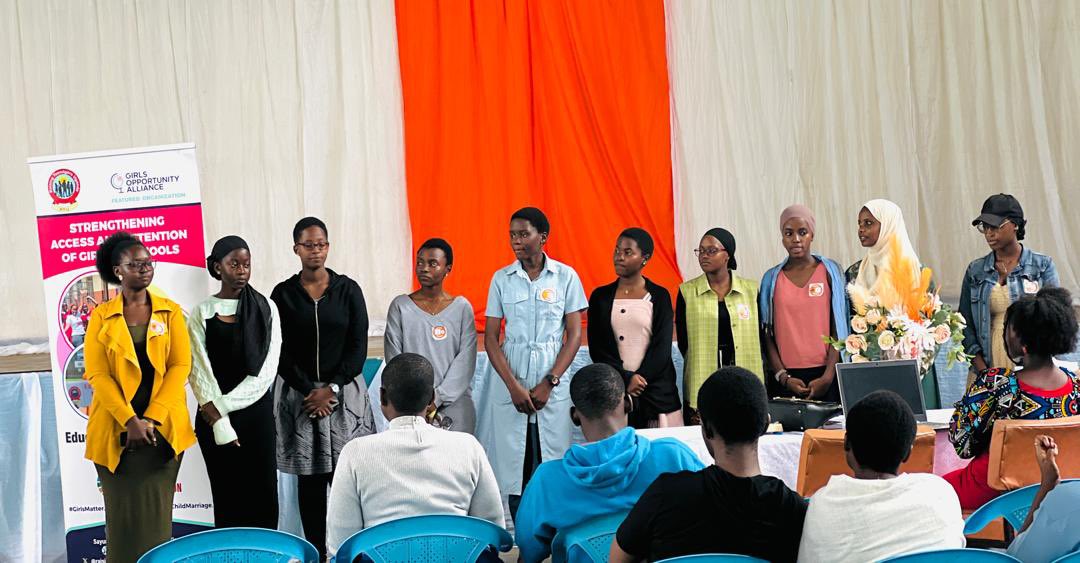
x,y
892,223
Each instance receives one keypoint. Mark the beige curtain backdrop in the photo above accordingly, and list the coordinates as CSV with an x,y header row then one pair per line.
x,y
295,108
934,105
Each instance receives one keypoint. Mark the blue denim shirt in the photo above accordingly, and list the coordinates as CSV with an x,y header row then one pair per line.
x,y
1034,272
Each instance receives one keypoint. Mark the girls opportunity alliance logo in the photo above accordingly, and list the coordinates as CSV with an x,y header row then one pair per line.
x,y
64,189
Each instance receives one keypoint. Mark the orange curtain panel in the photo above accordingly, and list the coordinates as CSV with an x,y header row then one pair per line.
x,y
559,104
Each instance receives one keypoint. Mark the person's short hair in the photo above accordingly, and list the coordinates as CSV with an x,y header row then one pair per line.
x,y
733,404
109,253
535,217
880,430
642,238
409,382
441,245
1045,323
596,390
306,223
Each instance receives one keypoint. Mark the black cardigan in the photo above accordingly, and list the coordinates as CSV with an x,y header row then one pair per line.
x,y
660,396
335,350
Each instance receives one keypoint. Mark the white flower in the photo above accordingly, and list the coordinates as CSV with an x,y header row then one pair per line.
x,y
873,316
886,340
858,324
859,358
855,343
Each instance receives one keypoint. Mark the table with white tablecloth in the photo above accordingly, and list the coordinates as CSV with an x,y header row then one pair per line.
x,y
778,454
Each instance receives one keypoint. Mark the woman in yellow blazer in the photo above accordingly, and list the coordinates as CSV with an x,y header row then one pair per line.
x,y
137,362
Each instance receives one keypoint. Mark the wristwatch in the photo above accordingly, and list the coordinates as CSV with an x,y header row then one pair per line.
x,y
335,388
554,379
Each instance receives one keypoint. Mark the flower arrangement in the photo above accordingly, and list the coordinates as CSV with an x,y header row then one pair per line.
x,y
901,319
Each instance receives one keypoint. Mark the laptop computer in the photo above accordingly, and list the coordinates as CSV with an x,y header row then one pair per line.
x,y
899,376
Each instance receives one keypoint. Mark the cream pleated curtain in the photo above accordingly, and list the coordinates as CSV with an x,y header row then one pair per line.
x,y
934,105
295,108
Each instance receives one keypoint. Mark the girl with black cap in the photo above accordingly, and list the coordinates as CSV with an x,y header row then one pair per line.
x,y
235,344
716,319
995,281
631,326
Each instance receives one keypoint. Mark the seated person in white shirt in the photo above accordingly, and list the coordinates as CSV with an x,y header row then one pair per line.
x,y
1052,527
879,513
412,468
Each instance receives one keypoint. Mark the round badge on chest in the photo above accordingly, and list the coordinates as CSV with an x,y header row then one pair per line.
x,y
438,332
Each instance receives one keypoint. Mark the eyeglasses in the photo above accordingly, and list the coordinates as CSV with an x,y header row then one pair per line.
x,y
140,266
309,246
710,252
984,228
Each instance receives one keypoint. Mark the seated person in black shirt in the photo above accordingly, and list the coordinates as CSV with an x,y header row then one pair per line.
x,y
728,507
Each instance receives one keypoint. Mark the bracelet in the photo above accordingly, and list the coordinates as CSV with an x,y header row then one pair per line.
x,y
780,374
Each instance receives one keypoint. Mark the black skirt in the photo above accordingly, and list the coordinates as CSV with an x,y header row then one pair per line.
x,y
243,480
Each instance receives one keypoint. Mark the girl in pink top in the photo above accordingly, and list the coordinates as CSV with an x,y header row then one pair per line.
x,y
802,301
630,326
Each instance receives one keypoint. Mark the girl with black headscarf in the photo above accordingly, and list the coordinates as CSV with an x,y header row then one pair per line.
x,y
716,319
235,343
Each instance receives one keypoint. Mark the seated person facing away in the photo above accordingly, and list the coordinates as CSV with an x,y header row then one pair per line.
x,y
412,468
879,513
605,475
1052,528
729,507
1037,328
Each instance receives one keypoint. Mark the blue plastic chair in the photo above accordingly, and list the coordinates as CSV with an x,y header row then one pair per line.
x,y
251,545
714,558
588,541
437,538
952,556
1073,557
1013,506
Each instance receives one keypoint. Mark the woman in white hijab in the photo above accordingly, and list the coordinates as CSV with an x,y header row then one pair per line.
x,y
880,222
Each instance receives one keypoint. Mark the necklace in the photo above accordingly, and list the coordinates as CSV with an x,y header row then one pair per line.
x,y
626,290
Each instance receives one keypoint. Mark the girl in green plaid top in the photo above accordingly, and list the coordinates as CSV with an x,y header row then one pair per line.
x,y
716,319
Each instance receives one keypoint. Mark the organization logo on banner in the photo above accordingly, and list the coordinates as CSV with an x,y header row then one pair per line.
x,y
64,189
140,181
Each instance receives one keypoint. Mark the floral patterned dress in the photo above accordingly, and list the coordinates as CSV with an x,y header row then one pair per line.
x,y
997,394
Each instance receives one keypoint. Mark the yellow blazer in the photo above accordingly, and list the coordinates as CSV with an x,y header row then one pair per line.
x,y
112,368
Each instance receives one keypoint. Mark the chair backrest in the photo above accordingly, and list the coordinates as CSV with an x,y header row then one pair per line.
x,y
1012,451
587,541
436,538
1012,506
822,456
713,558
253,545
1073,557
952,556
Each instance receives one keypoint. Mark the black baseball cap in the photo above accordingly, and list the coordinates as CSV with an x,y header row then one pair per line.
x,y
997,208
